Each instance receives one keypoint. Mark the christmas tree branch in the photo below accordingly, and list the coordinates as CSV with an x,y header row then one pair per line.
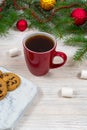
x,y
81,53
57,21
7,21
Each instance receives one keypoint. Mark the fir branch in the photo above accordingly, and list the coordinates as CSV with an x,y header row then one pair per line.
x,y
76,40
33,23
56,21
7,20
81,53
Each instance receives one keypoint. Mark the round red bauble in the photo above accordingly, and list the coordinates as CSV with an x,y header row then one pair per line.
x,y
79,15
0,9
21,25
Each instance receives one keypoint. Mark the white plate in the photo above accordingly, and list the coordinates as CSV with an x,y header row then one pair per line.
x,y
15,103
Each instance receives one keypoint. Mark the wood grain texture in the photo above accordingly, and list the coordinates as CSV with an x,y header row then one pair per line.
x,y
49,111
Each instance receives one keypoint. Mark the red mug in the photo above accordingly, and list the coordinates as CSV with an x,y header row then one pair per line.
x,y
39,52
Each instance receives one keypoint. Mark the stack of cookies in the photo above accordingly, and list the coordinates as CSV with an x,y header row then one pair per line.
x,y
8,82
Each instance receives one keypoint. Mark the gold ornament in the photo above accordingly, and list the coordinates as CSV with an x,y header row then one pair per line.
x,y
47,4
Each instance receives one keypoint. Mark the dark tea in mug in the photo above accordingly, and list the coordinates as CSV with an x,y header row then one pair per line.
x,y
39,52
39,43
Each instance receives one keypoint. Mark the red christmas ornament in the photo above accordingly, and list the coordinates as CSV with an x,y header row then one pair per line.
x,y
21,25
79,15
0,9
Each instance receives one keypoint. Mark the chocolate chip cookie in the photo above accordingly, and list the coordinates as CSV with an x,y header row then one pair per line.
x,y
12,80
3,89
1,74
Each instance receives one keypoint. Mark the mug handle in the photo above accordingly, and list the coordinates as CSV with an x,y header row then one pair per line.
x,y
59,54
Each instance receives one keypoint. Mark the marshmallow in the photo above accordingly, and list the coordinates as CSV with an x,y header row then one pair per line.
x,y
83,74
67,92
14,52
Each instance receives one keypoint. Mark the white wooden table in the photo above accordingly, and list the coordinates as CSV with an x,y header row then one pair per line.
x,y
49,111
